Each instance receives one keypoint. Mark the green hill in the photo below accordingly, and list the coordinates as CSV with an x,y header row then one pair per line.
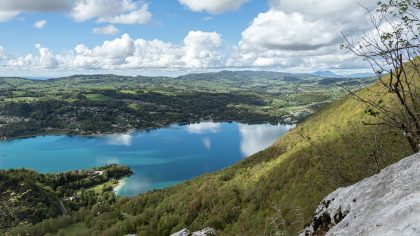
x,y
276,190
96,104
29,197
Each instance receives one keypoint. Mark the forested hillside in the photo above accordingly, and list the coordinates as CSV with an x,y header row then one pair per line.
x,y
28,197
95,104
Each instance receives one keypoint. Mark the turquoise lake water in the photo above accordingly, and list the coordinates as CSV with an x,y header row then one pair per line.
x,y
159,158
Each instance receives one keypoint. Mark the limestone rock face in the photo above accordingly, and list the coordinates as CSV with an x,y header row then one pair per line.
x,y
384,204
204,232
183,232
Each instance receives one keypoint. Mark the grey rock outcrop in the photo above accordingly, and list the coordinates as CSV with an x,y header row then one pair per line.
x,y
384,204
204,232
182,232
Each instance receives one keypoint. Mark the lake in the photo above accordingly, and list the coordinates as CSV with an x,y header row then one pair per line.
x,y
159,157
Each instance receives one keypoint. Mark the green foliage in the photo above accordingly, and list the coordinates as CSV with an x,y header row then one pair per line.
x,y
276,190
29,197
108,103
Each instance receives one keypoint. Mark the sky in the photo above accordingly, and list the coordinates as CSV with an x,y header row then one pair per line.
x,y
172,37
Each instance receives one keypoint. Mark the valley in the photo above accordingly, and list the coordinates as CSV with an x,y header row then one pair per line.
x,y
112,107
209,118
103,104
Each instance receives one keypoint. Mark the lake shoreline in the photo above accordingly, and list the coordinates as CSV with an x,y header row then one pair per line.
x,y
158,158
71,133
121,183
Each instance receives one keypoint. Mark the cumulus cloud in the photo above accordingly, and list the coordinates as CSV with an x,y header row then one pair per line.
x,y
201,49
278,30
155,54
45,60
109,55
301,33
40,24
88,9
214,6
139,16
12,8
35,6
111,11
109,30
337,10
198,50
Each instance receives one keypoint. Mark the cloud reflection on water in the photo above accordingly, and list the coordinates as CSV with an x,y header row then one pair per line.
x,y
119,139
140,184
207,143
255,138
203,127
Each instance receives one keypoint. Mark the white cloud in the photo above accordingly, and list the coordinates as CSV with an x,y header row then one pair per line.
x,y
155,54
278,30
338,10
109,55
109,30
8,15
40,24
298,37
117,48
111,11
35,6
12,8
139,16
202,49
3,54
199,50
88,9
301,34
125,52
45,60
214,6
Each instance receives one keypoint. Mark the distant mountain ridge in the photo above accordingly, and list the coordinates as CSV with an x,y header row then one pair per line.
x,y
274,75
330,74
245,74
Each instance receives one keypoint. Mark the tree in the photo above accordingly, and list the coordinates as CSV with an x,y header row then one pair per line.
x,y
393,47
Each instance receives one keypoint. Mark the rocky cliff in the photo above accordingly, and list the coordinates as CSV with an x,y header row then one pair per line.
x,y
385,204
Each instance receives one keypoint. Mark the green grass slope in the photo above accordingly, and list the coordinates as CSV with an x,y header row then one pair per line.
x,y
285,182
276,190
